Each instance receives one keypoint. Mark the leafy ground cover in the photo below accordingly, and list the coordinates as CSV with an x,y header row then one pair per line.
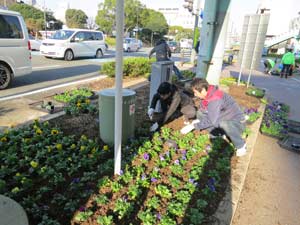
x,y
69,95
60,176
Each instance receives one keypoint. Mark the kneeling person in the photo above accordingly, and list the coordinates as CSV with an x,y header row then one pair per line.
x,y
218,110
174,103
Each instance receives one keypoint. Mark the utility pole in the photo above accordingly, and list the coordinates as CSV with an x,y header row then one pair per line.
x,y
213,35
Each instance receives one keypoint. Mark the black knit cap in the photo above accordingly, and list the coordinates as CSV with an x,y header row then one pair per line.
x,y
164,88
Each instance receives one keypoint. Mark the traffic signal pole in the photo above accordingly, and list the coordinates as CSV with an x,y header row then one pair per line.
x,y
212,41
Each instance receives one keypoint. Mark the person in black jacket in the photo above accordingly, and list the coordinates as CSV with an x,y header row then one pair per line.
x,y
174,103
163,53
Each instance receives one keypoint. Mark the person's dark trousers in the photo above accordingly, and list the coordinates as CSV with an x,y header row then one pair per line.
x,y
285,70
234,130
177,72
188,112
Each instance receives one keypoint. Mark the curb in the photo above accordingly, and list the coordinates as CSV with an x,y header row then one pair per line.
x,y
227,207
47,117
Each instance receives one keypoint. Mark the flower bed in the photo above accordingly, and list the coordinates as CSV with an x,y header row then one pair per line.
x,y
45,171
251,115
173,179
274,123
69,95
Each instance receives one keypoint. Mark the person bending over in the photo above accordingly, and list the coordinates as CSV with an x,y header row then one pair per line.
x,y
174,103
218,110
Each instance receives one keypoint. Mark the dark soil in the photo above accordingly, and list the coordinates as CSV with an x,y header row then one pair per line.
x,y
244,100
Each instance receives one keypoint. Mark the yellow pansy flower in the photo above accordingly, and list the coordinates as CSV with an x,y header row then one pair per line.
x,y
105,148
18,174
82,148
34,164
3,139
78,104
54,132
94,150
87,101
15,190
83,137
73,146
38,131
58,146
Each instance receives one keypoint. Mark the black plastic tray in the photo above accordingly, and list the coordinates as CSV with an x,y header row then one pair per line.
x,y
290,143
294,126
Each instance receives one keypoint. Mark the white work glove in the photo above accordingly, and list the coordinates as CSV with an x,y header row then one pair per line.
x,y
154,127
150,113
195,121
186,129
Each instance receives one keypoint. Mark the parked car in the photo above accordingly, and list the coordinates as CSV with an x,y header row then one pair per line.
x,y
34,43
15,55
71,43
174,46
130,44
186,43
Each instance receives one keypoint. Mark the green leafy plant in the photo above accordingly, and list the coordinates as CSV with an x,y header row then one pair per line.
x,y
153,202
256,92
147,217
123,208
69,95
105,220
176,208
80,104
83,216
163,191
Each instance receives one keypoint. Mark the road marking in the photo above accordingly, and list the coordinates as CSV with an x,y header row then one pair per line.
x,y
45,67
50,88
295,79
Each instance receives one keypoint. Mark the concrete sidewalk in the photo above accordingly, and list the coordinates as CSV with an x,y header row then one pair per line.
x,y
271,191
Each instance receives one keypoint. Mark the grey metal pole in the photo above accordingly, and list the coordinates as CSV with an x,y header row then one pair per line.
x,y
45,18
193,55
118,85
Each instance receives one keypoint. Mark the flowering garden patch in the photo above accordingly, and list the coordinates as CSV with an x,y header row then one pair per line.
x,y
172,179
275,122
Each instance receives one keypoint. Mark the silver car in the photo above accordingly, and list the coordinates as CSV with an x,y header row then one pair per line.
x,y
15,56
131,44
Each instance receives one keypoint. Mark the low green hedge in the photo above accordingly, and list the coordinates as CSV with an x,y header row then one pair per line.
x,y
132,67
110,41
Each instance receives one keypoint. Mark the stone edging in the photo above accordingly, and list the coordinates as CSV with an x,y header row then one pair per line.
x,y
227,207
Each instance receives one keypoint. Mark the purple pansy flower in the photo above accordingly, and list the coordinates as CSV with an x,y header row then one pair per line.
x,y
75,180
143,177
153,179
176,162
146,156
161,158
158,216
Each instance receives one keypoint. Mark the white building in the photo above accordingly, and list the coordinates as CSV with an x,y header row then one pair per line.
x,y
178,17
295,24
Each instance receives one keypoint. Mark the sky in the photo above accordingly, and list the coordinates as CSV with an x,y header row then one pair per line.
x,y
282,11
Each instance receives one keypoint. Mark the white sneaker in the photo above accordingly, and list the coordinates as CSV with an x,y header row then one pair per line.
x,y
241,151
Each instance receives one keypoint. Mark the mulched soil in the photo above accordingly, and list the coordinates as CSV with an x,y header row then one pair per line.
x,y
239,94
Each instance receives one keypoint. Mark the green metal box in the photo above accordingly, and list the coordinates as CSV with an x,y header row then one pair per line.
x,y
107,114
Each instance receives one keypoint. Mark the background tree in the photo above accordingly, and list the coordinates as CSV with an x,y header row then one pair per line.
x,y
154,25
75,18
34,18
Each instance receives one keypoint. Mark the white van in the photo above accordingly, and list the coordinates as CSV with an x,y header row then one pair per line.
x,y
15,56
71,43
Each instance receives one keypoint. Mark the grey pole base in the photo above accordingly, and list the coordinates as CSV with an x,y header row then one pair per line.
x,y
11,213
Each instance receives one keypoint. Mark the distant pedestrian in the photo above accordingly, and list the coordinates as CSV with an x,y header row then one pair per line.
x,y
269,65
163,53
288,60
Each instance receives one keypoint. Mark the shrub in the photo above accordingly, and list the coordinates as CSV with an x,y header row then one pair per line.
x,y
132,67
110,41
188,74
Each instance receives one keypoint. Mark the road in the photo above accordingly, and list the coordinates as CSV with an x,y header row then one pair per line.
x,y
51,72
